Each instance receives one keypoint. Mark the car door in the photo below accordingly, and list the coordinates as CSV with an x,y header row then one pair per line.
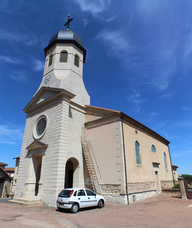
x,y
91,198
82,198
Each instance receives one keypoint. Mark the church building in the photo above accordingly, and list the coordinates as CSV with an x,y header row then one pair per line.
x,y
69,143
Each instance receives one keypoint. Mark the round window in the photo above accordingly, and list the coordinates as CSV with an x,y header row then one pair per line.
x,y
40,127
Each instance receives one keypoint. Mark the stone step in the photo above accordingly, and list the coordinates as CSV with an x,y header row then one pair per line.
x,y
28,202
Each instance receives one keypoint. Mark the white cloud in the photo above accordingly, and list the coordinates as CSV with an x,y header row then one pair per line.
x,y
93,6
85,21
18,37
186,108
166,96
8,59
18,76
149,6
136,99
117,42
38,64
10,135
181,153
152,116
187,123
100,9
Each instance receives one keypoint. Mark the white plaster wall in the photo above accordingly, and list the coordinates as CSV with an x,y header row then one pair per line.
x,y
63,136
105,154
23,165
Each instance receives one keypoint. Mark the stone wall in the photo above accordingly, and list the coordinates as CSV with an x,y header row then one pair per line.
x,y
166,184
110,188
136,191
141,196
115,198
141,186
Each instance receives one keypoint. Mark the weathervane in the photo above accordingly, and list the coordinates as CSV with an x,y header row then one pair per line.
x,y
68,22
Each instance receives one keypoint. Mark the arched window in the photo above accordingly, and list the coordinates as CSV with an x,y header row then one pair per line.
x,y
63,56
76,60
50,59
138,154
153,149
165,160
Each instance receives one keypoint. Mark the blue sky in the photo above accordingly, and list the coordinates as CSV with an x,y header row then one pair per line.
x,y
139,61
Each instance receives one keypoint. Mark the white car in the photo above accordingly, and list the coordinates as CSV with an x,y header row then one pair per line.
x,y
75,198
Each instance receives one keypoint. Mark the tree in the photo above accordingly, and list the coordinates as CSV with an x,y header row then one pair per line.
x,y
187,177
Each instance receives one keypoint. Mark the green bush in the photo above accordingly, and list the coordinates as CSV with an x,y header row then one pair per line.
x,y
176,186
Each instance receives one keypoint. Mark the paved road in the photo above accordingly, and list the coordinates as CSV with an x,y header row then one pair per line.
x,y
163,210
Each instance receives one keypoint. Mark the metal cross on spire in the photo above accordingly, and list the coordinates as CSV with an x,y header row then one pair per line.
x,y
68,22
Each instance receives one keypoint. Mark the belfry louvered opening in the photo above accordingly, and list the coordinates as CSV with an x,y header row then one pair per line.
x,y
76,61
50,60
63,56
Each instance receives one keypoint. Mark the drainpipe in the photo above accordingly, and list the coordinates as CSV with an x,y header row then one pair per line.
x,y
170,162
124,158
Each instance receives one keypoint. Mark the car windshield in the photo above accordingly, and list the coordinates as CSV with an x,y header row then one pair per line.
x,y
65,193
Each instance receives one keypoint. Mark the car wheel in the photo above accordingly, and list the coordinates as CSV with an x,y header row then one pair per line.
x,y
59,209
74,208
100,204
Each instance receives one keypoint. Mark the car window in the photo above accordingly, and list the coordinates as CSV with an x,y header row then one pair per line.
x,y
65,193
75,193
81,192
90,193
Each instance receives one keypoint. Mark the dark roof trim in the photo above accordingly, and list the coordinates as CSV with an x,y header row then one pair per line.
x,y
142,127
1,163
127,119
6,173
99,108
66,41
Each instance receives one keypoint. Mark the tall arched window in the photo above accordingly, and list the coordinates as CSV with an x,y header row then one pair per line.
x,y
50,59
165,160
76,60
63,56
153,149
138,154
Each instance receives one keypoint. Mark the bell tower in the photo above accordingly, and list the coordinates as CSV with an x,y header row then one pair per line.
x,y
64,59
51,155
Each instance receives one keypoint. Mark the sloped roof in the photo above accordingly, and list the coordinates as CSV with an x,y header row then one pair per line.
x,y
9,169
69,37
6,174
109,113
1,163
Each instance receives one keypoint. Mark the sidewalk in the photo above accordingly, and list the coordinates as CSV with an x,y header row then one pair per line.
x,y
163,210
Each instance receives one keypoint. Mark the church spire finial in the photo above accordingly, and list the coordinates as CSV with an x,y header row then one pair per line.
x,y
68,22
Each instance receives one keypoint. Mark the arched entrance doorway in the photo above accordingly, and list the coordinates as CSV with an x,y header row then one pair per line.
x,y
71,173
37,161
